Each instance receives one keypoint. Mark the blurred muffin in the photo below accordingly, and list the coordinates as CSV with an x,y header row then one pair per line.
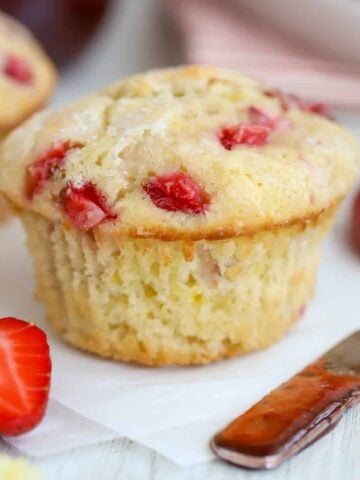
x,y
176,217
27,77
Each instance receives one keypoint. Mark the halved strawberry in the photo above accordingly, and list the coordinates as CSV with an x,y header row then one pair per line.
x,y
18,69
25,368
85,206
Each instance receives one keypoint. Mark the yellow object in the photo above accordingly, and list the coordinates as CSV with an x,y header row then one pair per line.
x,y
160,287
18,469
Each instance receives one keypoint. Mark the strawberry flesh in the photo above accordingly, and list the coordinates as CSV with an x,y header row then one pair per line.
x,y
320,109
244,134
177,192
85,206
25,369
18,69
355,224
259,117
44,168
288,101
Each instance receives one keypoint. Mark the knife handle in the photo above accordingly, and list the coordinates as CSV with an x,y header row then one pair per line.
x,y
290,418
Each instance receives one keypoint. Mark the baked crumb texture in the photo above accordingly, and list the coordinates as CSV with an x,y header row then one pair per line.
x,y
27,79
160,303
176,216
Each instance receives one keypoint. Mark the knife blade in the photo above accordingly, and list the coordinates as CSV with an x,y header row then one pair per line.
x,y
295,414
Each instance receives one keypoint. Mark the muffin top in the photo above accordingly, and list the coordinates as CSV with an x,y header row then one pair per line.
x,y
184,153
27,76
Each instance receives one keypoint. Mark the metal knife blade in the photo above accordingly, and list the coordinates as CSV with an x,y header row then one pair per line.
x,y
295,414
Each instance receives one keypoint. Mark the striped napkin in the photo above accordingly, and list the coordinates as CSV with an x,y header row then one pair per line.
x,y
237,35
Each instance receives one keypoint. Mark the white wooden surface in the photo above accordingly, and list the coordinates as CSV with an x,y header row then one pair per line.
x,y
137,37
124,460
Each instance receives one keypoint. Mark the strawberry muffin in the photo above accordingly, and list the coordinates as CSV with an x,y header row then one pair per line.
x,y
176,217
27,77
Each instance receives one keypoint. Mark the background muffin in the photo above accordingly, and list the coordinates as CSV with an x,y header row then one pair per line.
x,y
27,77
176,217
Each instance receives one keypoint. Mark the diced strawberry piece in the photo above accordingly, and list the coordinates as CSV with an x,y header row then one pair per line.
x,y
177,192
259,117
18,69
277,124
85,206
244,134
288,101
355,224
319,109
25,368
45,167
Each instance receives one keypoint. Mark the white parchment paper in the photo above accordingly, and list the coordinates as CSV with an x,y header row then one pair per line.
x,y
172,410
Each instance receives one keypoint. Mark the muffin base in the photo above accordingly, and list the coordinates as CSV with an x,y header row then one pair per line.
x,y
160,303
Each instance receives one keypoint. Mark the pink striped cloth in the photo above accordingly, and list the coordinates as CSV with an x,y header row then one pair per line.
x,y
222,33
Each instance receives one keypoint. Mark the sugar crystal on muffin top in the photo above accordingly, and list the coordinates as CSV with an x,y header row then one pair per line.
x,y
240,148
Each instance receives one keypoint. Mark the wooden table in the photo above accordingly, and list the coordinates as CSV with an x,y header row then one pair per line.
x,y
125,460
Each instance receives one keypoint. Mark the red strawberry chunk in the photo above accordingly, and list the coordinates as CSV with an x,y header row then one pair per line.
x,y
259,117
244,134
25,368
288,101
320,109
85,206
18,69
45,167
177,192
355,224
277,124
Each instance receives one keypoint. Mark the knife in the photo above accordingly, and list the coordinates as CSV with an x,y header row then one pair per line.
x,y
295,414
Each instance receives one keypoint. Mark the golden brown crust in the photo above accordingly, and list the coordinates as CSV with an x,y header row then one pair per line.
x,y
146,356
173,235
213,235
169,121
